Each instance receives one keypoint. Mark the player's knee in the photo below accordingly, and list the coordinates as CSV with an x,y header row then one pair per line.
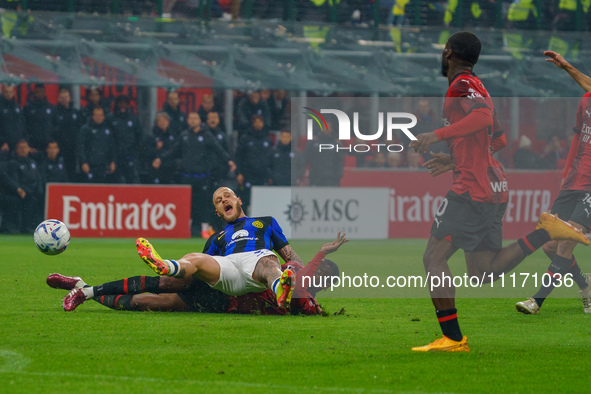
x,y
431,259
196,259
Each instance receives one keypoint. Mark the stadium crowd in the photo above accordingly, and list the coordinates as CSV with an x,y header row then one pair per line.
x,y
106,142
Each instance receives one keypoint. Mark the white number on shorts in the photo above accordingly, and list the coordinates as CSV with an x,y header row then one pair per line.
x,y
442,208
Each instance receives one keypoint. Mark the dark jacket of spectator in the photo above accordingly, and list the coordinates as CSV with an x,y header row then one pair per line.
x,y
54,170
68,122
168,152
12,122
281,163
178,120
39,120
24,172
127,131
253,157
277,105
200,153
326,167
96,145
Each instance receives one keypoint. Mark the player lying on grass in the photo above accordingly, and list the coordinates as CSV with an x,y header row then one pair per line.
x,y
193,295
572,204
470,217
238,259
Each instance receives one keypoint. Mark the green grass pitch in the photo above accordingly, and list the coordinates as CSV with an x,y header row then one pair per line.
x,y
366,349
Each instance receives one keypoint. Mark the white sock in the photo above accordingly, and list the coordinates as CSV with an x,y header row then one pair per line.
x,y
275,284
88,292
173,267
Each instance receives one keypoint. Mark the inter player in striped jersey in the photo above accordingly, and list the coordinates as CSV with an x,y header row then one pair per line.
x,y
238,259
573,202
189,294
470,217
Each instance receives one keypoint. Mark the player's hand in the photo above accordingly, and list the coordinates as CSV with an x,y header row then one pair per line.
x,y
423,141
334,245
555,58
440,163
85,168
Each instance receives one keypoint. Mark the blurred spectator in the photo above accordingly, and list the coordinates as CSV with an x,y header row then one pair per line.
x,y
178,120
128,134
277,104
200,154
39,119
161,150
414,160
249,107
524,158
253,155
94,99
213,126
281,162
207,106
68,122
326,167
12,123
96,149
552,152
9,202
426,122
52,165
394,159
26,181
379,160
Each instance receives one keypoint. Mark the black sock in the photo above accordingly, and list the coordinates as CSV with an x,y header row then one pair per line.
x,y
133,285
533,241
578,276
448,320
557,269
120,302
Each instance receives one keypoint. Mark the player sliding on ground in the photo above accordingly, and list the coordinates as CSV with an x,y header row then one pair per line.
x,y
193,295
236,260
470,217
573,202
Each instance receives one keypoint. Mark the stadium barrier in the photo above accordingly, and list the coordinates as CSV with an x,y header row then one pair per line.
x,y
155,211
415,196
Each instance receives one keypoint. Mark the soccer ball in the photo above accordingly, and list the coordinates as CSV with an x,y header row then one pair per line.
x,y
52,237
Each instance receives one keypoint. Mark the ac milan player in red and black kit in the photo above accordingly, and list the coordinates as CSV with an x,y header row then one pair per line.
x,y
470,217
162,293
573,202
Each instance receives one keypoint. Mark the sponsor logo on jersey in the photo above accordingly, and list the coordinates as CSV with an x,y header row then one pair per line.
x,y
240,234
257,224
221,234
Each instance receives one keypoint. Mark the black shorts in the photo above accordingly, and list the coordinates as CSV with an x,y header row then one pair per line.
x,y
200,297
469,225
575,206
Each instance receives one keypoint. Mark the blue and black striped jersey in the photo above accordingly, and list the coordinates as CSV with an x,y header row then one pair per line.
x,y
246,235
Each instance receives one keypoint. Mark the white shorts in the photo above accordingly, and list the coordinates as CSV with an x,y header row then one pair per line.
x,y
236,272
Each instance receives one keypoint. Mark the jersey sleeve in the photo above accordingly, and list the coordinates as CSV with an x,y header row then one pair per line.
x,y
277,237
579,119
210,248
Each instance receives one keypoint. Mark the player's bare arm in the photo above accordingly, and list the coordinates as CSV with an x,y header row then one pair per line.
x,y
583,80
334,245
288,254
439,164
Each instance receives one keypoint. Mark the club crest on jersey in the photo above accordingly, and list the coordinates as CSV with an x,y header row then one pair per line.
x,y
257,224
240,234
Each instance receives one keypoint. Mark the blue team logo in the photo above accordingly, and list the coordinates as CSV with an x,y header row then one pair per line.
x,y
296,212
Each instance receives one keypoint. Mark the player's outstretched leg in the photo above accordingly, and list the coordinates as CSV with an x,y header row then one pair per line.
x,y
153,259
559,229
59,281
